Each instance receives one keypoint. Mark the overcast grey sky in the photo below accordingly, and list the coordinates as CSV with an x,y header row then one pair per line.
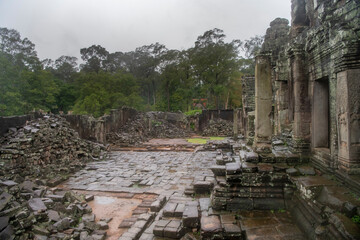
x,y
62,27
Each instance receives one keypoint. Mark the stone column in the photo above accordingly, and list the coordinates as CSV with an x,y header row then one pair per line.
x,y
348,120
302,108
263,103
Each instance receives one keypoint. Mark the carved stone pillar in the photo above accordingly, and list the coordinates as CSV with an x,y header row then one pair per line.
x,y
302,109
348,120
263,103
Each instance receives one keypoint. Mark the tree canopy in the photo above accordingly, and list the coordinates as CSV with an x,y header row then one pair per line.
x,y
152,77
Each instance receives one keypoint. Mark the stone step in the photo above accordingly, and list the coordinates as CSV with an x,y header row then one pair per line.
x,y
167,228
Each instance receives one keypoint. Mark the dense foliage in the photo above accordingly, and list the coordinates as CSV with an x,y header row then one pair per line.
x,y
150,78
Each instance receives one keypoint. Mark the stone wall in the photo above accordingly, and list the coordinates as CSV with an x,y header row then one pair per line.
x,y
94,129
315,67
16,121
243,120
208,115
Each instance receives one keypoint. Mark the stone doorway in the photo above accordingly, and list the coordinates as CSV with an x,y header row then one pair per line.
x,y
320,114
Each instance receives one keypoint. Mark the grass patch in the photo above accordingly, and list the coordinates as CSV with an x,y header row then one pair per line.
x,y
203,140
193,112
197,140
216,138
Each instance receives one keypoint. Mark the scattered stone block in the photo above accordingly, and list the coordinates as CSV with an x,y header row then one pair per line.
x,y
103,225
40,230
210,225
159,227
169,209
7,233
204,204
62,224
179,210
306,170
190,215
53,215
292,171
90,217
251,157
36,204
218,170
173,229
89,198
4,222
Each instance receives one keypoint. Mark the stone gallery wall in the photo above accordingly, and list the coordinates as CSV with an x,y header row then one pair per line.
x,y
207,115
16,121
307,84
94,129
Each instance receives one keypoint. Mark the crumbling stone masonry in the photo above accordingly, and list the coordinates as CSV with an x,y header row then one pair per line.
x,y
307,85
244,117
307,98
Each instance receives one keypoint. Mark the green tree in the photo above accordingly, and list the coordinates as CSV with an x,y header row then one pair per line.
x,y
11,100
41,91
65,68
22,51
214,63
95,58
100,92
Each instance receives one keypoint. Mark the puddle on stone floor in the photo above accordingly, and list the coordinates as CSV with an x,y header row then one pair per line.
x,y
116,208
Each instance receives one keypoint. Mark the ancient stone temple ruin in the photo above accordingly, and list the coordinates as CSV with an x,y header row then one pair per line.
x,y
307,101
286,164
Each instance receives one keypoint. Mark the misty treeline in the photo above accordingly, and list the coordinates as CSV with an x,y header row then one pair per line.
x,y
150,78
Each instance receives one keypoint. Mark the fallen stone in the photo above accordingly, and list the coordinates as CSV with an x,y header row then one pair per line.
x,y
169,209
251,157
210,224
4,200
62,224
36,204
179,210
159,227
40,237
173,230
4,222
102,225
40,230
292,171
89,198
8,183
306,170
204,204
28,186
90,217
190,216
7,233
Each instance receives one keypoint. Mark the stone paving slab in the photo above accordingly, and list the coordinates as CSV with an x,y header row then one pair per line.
x,y
145,172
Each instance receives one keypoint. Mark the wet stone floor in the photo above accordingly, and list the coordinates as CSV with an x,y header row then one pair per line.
x,y
144,195
145,172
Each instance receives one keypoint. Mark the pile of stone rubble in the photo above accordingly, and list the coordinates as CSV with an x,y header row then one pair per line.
x,y
144,127
30,210
34,158
218,127
45,148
